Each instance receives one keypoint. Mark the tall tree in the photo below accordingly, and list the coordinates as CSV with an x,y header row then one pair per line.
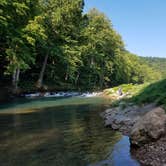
x,y
62,21
14,17
101,42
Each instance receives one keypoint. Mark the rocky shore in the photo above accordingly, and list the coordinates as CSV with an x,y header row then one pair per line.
x,y
151,154
146,128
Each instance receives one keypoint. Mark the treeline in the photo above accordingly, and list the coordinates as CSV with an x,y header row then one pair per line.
x,y
53,43
157,64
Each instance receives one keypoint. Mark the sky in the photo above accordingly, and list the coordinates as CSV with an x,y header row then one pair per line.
x,y
141,23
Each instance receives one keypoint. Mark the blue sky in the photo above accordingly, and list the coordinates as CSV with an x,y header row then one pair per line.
x,y
141,23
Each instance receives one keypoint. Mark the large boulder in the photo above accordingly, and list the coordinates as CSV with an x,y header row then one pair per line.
x,y
150,127
123,119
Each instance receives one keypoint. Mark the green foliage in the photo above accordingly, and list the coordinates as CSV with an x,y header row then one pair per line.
x,y
99,47
128,68
16,15
157,64
35,31
130,89
154,93
84,51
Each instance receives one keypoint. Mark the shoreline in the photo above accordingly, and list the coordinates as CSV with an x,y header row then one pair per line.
x,y
8,96
121,119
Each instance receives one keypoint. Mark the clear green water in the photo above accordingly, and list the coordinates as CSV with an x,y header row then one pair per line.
x,y
60,132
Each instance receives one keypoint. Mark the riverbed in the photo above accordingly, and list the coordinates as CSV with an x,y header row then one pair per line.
x,y
60,132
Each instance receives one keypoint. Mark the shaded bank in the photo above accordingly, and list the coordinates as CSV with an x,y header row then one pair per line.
x,y
5,95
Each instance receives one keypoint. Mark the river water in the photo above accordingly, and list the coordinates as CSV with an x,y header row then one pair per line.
x,y
60,132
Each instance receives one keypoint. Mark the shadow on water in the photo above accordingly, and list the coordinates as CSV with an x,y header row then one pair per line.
x,y
22,101
61,136
31,105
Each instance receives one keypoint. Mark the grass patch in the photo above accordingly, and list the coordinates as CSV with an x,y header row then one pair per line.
x,y
153,93
140,94
130,89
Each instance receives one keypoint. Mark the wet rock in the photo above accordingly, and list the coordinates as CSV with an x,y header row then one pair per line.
x,y
150,127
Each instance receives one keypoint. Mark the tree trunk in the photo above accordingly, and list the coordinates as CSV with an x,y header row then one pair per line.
x,y
66,76
77,77
15,79
40,80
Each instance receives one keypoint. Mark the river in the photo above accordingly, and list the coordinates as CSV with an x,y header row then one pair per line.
x,y
60,132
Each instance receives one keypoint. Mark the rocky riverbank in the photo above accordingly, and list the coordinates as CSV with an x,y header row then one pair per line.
x,y
123,119
146,127
152,153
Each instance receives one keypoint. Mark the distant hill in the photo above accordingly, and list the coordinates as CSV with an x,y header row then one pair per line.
x,y
156,63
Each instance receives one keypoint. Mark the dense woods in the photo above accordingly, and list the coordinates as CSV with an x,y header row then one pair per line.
x,y
53,44
156,63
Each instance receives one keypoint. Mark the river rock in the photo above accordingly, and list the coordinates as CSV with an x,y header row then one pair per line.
x,y
150,127
123,119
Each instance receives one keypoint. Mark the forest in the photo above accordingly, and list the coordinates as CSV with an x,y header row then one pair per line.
x,y
157,63
54,45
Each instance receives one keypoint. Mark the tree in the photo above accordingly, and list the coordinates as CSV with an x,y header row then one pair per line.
x,y
53,42
14,17
62,22
101,42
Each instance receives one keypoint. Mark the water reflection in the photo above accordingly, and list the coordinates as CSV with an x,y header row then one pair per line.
x,y
57,136
120,155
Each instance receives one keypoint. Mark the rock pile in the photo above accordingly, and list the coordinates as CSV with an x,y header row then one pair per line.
x,y
150,127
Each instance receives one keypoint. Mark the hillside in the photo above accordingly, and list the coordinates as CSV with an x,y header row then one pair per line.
x,y
158,64
153,93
